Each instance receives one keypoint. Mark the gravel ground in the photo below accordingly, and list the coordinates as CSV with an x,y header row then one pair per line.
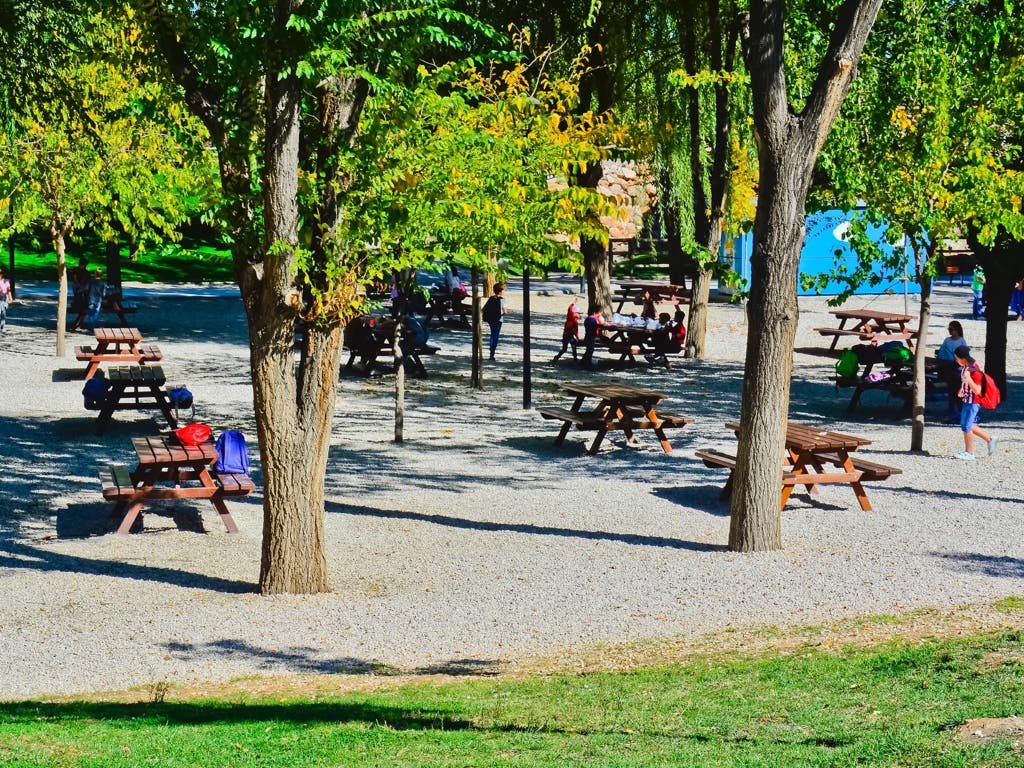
x,y
476,540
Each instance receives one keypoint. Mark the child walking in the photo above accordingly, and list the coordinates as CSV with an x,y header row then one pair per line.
x,y
5,297
970,388
570,332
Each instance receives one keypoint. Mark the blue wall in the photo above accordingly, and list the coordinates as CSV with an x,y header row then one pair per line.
x,y
824,232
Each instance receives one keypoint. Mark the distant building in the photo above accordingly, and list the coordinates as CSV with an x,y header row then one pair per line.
x,y
825,249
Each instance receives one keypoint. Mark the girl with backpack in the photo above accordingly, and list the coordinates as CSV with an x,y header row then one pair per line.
x,y
971,378
5,297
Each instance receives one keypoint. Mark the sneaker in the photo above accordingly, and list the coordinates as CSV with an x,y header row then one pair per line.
x,y
965,456
992,443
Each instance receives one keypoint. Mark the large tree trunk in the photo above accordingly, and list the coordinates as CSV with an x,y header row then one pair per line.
x,y
58,231
924,317
293,411
1004,264
788,145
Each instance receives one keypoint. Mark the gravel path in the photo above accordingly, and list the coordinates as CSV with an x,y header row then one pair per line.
x,y
476,540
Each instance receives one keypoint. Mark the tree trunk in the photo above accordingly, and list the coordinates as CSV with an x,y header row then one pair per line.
x,y
293,409
113,261
527,368
697,325
59,231
476,375
10,268
921,351
789,141
997,314
396,350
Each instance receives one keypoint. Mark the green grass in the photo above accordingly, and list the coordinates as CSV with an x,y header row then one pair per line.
x,y
1011,604
166,263
880,706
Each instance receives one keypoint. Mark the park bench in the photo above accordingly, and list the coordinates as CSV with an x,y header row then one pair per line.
x,y
448,309
369,339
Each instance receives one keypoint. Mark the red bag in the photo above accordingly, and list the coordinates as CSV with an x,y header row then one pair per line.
x,y
193,434
989,397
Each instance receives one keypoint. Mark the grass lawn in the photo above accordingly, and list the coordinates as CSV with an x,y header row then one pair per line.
x,y
889,705
167,263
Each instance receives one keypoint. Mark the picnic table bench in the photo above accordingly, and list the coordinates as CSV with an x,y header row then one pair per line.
x,y
448,308
113,305
168,469
369,338
132,388
871,325
808,451
628,341
899,383
117,345
632,292
619,407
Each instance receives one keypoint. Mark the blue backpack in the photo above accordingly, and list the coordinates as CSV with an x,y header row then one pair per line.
x,y
96,388
234,456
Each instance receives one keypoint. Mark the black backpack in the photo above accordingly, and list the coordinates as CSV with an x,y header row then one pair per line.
x,y
492,310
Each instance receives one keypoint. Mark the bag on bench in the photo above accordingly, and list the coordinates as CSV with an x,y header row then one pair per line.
x,y
233,453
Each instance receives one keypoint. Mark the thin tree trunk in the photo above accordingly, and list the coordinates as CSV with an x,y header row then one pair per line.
x,y
10,270
59,232
476,376
920,352
527,368
697,325
396,350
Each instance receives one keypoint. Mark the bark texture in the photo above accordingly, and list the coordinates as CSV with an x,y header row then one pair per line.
x,y
788,145
58,233
921,351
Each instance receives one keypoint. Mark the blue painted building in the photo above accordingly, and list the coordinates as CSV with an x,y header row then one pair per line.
x,y
825,248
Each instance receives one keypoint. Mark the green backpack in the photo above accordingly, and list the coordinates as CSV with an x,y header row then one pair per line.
x,y
898,354
848,364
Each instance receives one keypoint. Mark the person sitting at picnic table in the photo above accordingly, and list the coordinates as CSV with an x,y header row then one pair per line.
x,y
668,340
971,378
80,293
949,370
591,329
570,331
649,311
94,293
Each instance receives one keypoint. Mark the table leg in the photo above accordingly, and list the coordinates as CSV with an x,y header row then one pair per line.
x,y
165,406
607,408
134,506
225,516
114,395
858,489
564,431
662,437
835,339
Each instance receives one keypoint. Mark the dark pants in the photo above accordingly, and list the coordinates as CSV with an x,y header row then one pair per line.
x,y
568,339
495,333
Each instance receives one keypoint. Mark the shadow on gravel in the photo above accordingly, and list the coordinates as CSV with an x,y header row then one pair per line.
x,y
705,498
19,555
525,528
999,566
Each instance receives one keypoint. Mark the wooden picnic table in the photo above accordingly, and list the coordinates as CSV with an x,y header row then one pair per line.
x,y
168,469
369,338
117,345
628,341
871,325
619,407
632,291
132,388
809,450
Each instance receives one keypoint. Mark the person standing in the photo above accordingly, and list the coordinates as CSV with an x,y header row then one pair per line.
x,y
494,312
80,293
970,389
591,328
570,332
5,298
978,289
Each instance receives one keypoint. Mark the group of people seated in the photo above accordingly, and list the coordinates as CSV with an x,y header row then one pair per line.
x,y
668,337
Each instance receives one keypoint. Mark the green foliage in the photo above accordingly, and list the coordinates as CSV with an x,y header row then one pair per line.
x,y
93,152
884,706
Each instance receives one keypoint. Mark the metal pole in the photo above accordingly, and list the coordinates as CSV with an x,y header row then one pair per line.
x,y
527,383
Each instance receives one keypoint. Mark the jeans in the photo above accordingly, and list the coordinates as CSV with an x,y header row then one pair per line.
x,y
495,333
94,313
977,311
3,313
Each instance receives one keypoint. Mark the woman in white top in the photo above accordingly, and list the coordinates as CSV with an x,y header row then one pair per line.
x,y
949,371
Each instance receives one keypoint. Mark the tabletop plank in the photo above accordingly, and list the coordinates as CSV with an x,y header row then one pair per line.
x,y
805,437
610,391
872,314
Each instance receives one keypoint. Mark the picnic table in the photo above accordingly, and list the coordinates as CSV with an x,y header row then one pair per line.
x,y
132,388
369,338
871,325
809,450
619,407
627,341
168,469
117,345
113,305
448,308
632,291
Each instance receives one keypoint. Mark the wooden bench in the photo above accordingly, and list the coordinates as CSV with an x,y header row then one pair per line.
x,y
582,419
116,481
870,470
713,458
148,353
234,484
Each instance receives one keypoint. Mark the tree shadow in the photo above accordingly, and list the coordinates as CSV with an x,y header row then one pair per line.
x,y
524,528
999,566
26,556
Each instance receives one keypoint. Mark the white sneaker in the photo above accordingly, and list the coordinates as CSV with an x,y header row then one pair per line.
x,y
992,440
965,456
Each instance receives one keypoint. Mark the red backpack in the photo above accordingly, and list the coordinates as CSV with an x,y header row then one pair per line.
x,y
989,397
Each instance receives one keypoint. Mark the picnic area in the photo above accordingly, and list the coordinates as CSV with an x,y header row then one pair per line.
x,y
548,549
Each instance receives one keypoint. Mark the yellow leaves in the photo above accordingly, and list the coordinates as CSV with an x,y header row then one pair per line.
x,y
902,120
1015,201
